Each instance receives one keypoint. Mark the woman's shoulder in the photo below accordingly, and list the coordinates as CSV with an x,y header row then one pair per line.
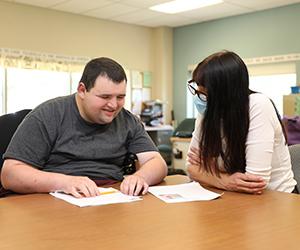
x,y
259,98
261,101
261,104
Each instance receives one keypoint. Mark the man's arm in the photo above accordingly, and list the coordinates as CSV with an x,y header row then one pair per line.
x,y
23,178
153,169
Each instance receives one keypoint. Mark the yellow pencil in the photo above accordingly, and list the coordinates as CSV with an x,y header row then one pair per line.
x,y
108,192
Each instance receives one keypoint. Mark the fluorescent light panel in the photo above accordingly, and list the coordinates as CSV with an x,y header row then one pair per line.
x,y
183,5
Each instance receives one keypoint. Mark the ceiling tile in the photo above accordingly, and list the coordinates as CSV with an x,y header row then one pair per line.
x,y
260,5
40,3
138,16
216,11
168,20
137,12
143,3
79,6
110,11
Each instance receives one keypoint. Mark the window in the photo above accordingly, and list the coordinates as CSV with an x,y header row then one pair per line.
x,y
27,88
28,78
191,111
2,90
274,80
75,79
274,86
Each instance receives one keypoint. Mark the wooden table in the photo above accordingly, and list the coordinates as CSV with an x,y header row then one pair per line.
x,y
234,221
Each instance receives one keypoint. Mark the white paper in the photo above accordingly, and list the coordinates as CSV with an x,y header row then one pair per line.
x,y
192,191
109,196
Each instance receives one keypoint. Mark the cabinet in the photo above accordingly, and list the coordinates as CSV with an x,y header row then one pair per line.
x,y
291,104
180,147
160,135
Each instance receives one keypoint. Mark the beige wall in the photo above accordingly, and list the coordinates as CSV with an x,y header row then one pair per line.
x,y
30,28
163,87
135,47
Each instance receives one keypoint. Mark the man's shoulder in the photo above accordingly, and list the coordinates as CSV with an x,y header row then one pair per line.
x,y
129,121
55,103
53,108
129,116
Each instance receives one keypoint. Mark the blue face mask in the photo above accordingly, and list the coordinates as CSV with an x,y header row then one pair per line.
x,y
200,104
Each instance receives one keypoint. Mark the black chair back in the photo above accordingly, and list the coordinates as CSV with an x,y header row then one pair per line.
x,y
185,128
295,160
8,125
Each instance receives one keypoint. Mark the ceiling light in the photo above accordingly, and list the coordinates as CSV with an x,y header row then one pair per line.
x,y
183,5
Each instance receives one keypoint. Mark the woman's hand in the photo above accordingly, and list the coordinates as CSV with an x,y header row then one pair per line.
x,y
238,182
243,182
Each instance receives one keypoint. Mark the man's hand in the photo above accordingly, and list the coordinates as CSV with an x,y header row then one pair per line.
x,y
24,178
134,185
79,186
151,169
247,183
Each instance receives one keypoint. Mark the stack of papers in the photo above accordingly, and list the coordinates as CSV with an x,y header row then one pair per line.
x,y
183,192
171,194
108,196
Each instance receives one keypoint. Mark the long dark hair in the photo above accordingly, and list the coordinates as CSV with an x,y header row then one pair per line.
x,y
225,78
225,125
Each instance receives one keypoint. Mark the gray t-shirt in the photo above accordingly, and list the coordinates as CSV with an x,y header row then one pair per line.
x,y
55,138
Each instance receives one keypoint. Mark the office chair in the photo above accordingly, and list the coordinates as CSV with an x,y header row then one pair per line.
x,y
185,128
292,128
295,160
8,125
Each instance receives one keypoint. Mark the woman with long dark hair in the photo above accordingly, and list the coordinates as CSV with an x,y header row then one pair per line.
x,y
239,143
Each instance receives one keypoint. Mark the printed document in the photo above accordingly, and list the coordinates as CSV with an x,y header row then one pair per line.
x,y
107,196
192,191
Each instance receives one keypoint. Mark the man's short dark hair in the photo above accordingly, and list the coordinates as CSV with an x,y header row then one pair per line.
x,y
105,67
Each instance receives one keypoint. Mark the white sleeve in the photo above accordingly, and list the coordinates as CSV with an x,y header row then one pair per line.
x,y
261,136
195,137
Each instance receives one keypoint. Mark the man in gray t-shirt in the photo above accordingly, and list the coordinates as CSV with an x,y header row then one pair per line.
x,y
67,142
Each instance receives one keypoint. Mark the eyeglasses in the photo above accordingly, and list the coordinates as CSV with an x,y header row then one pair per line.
x,y
192,86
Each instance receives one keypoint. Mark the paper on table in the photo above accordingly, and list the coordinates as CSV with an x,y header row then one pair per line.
x,y
109,196
183,192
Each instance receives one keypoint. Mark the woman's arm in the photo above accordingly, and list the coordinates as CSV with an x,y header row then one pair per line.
x,y
238,182
261,136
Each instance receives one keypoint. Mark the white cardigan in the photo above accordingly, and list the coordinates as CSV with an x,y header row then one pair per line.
x,y
267,154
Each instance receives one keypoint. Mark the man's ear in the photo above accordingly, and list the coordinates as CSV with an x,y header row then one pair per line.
x,y
81,89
